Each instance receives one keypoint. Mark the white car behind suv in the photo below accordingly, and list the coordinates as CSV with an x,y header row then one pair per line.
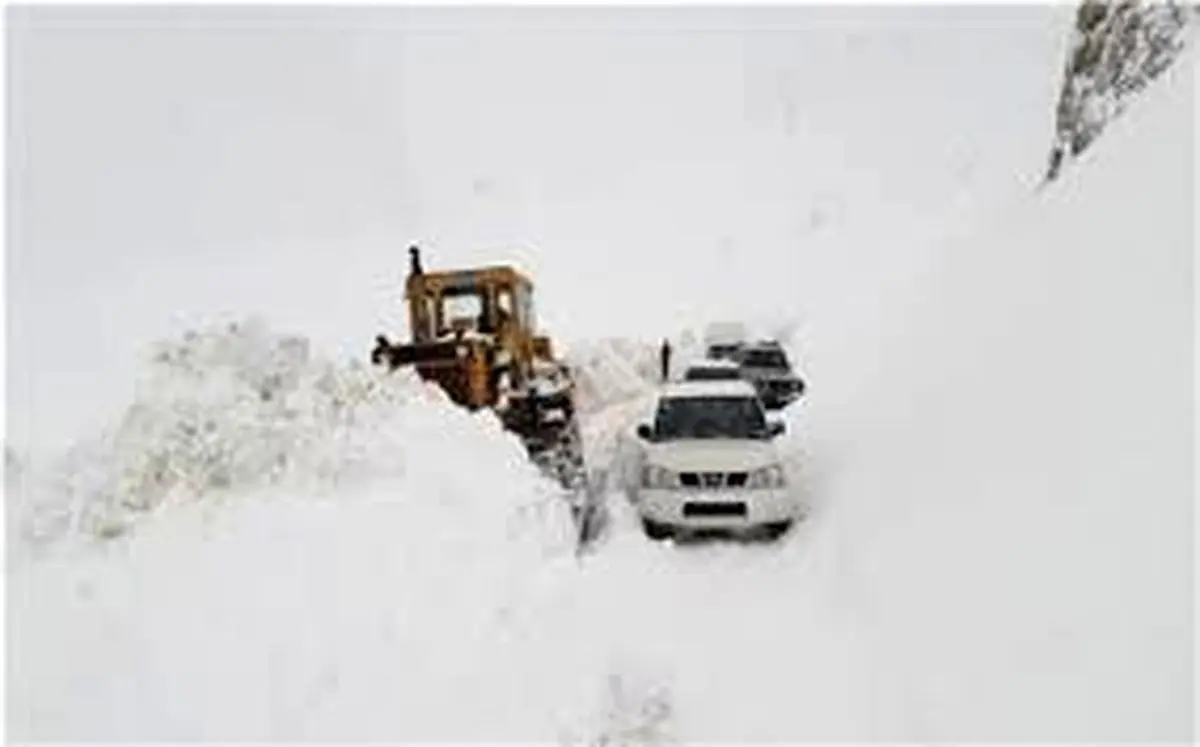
x,y
709,461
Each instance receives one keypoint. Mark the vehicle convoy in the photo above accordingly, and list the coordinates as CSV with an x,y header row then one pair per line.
x,y
709,461
473,332
766,366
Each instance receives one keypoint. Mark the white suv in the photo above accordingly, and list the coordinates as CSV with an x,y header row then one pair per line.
x,y
709,461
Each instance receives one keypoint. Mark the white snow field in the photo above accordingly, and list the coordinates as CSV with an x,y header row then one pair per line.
x,y
996,442
1013,481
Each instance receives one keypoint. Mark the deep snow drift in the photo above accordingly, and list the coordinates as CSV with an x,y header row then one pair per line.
x,y
1016,473
1000,552
240,407
304,550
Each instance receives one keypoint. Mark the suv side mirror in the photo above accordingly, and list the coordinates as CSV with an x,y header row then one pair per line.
x,y
644,432
776,428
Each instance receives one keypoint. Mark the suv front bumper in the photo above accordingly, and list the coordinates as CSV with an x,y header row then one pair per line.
x,y
777,400
702,509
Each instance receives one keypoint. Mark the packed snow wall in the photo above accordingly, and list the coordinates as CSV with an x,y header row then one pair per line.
x,y
269,545
1016,473
240,407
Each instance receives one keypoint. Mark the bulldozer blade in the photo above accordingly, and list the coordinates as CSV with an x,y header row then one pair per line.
x,y
592,518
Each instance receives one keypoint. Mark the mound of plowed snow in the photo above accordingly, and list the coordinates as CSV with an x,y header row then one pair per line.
x,y
240,407
609,372
334,553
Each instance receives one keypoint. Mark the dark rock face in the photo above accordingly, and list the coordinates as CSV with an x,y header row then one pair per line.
x,y
1117,49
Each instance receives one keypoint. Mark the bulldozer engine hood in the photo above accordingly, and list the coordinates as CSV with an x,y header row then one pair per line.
x,y
426,352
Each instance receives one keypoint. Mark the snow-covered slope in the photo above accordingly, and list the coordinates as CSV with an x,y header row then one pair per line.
x,y
650,165
1116,51
1016,475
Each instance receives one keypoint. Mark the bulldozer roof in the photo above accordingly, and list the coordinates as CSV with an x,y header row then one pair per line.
x,y
469,279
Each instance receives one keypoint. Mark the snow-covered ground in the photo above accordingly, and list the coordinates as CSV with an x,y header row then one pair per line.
x,y
1018,482
297,548
996,439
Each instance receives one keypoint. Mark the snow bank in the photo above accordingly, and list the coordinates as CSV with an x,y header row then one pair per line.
x,y
320,552
396,612
1000,538
239,407
1019,484
611,371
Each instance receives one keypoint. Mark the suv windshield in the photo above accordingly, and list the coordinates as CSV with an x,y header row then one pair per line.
x,y
768,358
709,417
711,373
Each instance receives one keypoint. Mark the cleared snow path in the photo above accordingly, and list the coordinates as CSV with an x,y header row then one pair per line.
x,y
722,639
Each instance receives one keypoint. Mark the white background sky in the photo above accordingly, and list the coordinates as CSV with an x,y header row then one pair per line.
x,y
649,166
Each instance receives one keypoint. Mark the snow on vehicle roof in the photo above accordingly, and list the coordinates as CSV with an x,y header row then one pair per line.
x,y
724,333
716,388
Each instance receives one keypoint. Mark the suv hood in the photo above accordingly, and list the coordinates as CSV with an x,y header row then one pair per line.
x,y
767,374
712,455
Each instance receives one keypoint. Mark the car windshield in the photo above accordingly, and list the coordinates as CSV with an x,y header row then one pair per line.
x,y
765,359
709,417
711,373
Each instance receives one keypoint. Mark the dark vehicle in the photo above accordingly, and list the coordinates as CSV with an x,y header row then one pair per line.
x,y
766,366
723,351
723,339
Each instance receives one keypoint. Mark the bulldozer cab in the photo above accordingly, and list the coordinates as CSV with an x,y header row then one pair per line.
x,y
474,333
493,301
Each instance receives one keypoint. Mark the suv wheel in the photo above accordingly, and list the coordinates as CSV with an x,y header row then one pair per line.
x,y
777,529
655,530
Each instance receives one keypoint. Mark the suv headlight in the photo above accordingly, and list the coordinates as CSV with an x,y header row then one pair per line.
x,y
654,476
770,476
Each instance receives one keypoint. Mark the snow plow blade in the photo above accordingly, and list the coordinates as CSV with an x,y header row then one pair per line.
x,y
493,359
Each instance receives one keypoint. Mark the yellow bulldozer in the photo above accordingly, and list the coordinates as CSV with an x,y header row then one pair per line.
x,y
474,333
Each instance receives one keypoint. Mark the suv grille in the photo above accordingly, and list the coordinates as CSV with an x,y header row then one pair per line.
x,y
714,509
712,480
